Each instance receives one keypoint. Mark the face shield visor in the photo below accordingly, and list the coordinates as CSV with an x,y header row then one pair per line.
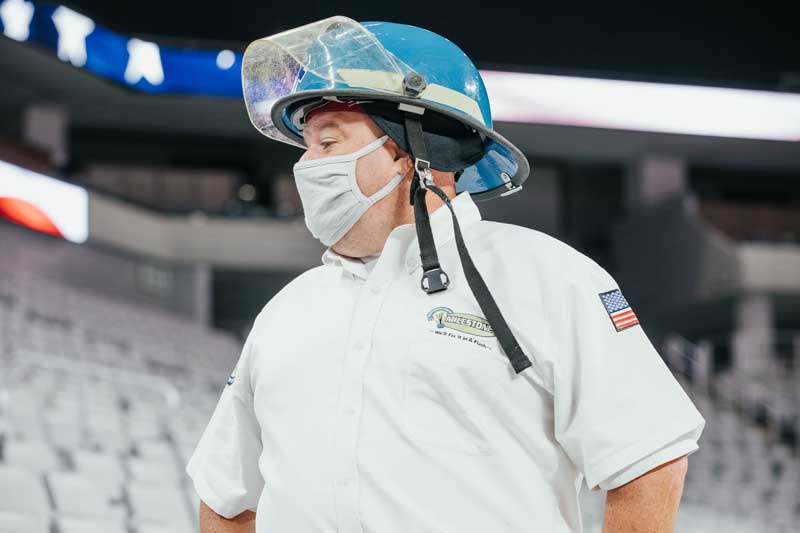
x,y
334,53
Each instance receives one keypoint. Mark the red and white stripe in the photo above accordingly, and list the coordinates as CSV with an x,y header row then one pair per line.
x,y
624,318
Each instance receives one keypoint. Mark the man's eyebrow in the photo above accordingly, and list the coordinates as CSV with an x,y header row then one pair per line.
x,y
326,123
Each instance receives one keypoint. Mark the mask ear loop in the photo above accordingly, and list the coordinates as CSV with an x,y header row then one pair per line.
x,y
353,159
386,189
434,279
371,147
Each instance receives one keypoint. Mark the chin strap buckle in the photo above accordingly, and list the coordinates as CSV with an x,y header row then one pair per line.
x,y
423,169
434,280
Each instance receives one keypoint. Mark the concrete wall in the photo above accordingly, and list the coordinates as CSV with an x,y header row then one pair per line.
x,y
124,276
770,267
234,243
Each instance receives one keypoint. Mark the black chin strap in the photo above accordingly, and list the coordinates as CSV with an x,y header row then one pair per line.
x,y
434,279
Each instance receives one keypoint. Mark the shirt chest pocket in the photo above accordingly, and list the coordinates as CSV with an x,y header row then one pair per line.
x,y
449,386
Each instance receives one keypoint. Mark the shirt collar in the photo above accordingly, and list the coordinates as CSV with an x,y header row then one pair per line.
x,y
349,264
441,227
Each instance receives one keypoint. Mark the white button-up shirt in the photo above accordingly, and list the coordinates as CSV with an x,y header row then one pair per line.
x,y
361,404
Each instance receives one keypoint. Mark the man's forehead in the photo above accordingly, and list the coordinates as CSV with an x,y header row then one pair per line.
x,y
331,119
340,111
324,119
322,125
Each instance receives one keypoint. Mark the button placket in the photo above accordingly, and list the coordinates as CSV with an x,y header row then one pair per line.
x,y
350,405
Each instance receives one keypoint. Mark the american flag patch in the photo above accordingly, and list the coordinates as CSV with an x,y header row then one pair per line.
x,y
622,316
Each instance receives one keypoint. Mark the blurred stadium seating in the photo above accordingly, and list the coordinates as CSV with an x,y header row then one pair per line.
x,y
746,475
101,404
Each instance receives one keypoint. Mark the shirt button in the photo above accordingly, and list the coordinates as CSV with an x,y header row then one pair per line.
x,y
375,290
411,262
358,345
349,410
346,481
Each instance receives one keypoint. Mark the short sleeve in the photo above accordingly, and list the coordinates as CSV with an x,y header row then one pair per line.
x,y
224,465
685,445
615,400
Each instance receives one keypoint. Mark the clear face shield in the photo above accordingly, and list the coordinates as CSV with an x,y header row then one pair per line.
x,y
336,52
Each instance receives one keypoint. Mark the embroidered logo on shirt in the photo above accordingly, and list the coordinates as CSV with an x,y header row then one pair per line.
x,y
618,309
232,376
444,317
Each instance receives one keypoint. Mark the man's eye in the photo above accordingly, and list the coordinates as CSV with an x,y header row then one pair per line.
x,y
325,144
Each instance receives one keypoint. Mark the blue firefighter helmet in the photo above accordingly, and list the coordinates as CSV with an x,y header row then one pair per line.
x,y
286,75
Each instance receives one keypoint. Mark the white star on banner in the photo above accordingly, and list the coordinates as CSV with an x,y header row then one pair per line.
x,y
16,16
144,62
73,29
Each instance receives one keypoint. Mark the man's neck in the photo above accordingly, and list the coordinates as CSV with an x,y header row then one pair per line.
x,y
433,203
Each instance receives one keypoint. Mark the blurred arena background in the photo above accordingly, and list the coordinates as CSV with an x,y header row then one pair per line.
x,y
145,223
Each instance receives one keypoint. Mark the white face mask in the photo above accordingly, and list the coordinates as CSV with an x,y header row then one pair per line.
x,y
332,201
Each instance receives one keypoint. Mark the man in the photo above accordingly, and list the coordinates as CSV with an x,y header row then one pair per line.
x,y
384,391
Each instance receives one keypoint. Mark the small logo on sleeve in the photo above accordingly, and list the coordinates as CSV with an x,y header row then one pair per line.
x,y
617,307
232,376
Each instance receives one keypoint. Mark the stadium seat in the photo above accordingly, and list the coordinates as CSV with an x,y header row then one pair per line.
x,y
18,522
79,495
158,504
150,527
104,468
72,524
156,450
65,433
154,472
33,455
23,491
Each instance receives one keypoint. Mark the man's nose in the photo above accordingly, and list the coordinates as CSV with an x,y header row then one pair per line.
x,y
308,155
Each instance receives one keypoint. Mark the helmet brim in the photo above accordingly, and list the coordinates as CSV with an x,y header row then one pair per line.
x,y
501,171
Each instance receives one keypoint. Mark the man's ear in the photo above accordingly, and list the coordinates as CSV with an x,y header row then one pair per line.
x,y
407,166
400,156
